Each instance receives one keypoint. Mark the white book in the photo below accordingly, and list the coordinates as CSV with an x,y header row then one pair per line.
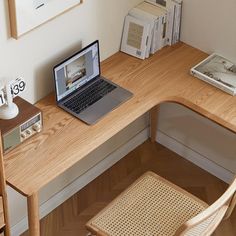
x,y
159,3
174,9
164,4
145,16
135,37
160,33
177,22
154,45
170,24
164,30
217,71
168,8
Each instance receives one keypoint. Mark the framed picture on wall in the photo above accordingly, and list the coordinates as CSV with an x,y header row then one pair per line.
x,y
26,15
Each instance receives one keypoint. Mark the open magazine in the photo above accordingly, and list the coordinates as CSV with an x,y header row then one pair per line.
x,y
217,71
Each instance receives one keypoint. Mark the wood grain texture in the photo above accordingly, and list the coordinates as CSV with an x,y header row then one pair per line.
x,y
2,221
4,214
70,218
12,16
33,215
65,140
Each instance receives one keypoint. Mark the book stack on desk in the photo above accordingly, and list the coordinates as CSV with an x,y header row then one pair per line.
x,y
150,26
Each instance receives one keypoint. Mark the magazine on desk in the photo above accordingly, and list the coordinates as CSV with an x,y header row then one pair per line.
x,y
217,71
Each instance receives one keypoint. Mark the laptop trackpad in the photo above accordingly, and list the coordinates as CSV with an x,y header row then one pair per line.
x,y
93,113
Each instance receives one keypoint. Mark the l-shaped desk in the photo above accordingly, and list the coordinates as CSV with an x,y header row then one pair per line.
x,y
65,140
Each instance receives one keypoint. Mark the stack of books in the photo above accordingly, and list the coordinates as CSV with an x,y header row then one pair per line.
x,y
150,26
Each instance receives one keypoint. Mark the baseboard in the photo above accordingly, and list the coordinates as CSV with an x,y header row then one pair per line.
x,y
83,180
195,157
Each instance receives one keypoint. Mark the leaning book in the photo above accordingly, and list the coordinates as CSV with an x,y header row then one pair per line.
x,y
135,37
217,71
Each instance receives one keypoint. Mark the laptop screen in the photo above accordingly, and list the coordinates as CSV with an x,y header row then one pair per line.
x,y
77,70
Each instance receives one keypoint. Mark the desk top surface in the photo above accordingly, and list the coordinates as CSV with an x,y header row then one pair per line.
x,y
65,140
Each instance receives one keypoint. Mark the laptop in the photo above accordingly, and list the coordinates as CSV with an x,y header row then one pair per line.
x,y
82,91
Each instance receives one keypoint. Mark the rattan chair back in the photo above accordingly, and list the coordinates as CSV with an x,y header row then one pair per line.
x,y
206,222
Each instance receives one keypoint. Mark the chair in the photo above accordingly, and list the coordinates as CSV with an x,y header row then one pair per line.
x,y
154,206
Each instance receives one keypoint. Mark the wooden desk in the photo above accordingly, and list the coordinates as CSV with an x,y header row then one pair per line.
x,y
66,140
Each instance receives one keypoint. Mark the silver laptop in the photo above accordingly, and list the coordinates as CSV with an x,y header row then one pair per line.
x,y
82,91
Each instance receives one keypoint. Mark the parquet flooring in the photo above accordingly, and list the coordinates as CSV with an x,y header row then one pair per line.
x,y
69,218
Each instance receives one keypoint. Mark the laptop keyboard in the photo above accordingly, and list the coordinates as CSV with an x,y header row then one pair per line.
x,y
89,96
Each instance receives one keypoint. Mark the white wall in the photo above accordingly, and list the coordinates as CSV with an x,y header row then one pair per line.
x,y
209,26
33,56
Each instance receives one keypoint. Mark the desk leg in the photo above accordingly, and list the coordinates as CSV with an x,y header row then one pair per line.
x,y
33,215
153,123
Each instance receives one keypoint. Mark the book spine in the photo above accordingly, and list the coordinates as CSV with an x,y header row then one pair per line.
x,y
159,34
177,22
180,18
164,6
213,82
153,2
160,42
170,24
164,38
155,37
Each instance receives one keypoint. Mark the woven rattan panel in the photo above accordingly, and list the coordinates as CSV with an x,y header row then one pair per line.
x,y
149,207
208,224
200,229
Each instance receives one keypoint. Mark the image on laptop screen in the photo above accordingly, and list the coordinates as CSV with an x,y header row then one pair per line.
x,y
77,70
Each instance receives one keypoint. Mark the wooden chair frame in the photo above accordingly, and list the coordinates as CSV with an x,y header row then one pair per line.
x,y
222,209
204,223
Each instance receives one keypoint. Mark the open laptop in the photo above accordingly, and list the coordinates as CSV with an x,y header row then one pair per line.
x,y
82,91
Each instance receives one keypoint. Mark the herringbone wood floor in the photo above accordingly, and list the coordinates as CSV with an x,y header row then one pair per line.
x,y
69,218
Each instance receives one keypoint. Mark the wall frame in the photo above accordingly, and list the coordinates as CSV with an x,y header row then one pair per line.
x,y
26,15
